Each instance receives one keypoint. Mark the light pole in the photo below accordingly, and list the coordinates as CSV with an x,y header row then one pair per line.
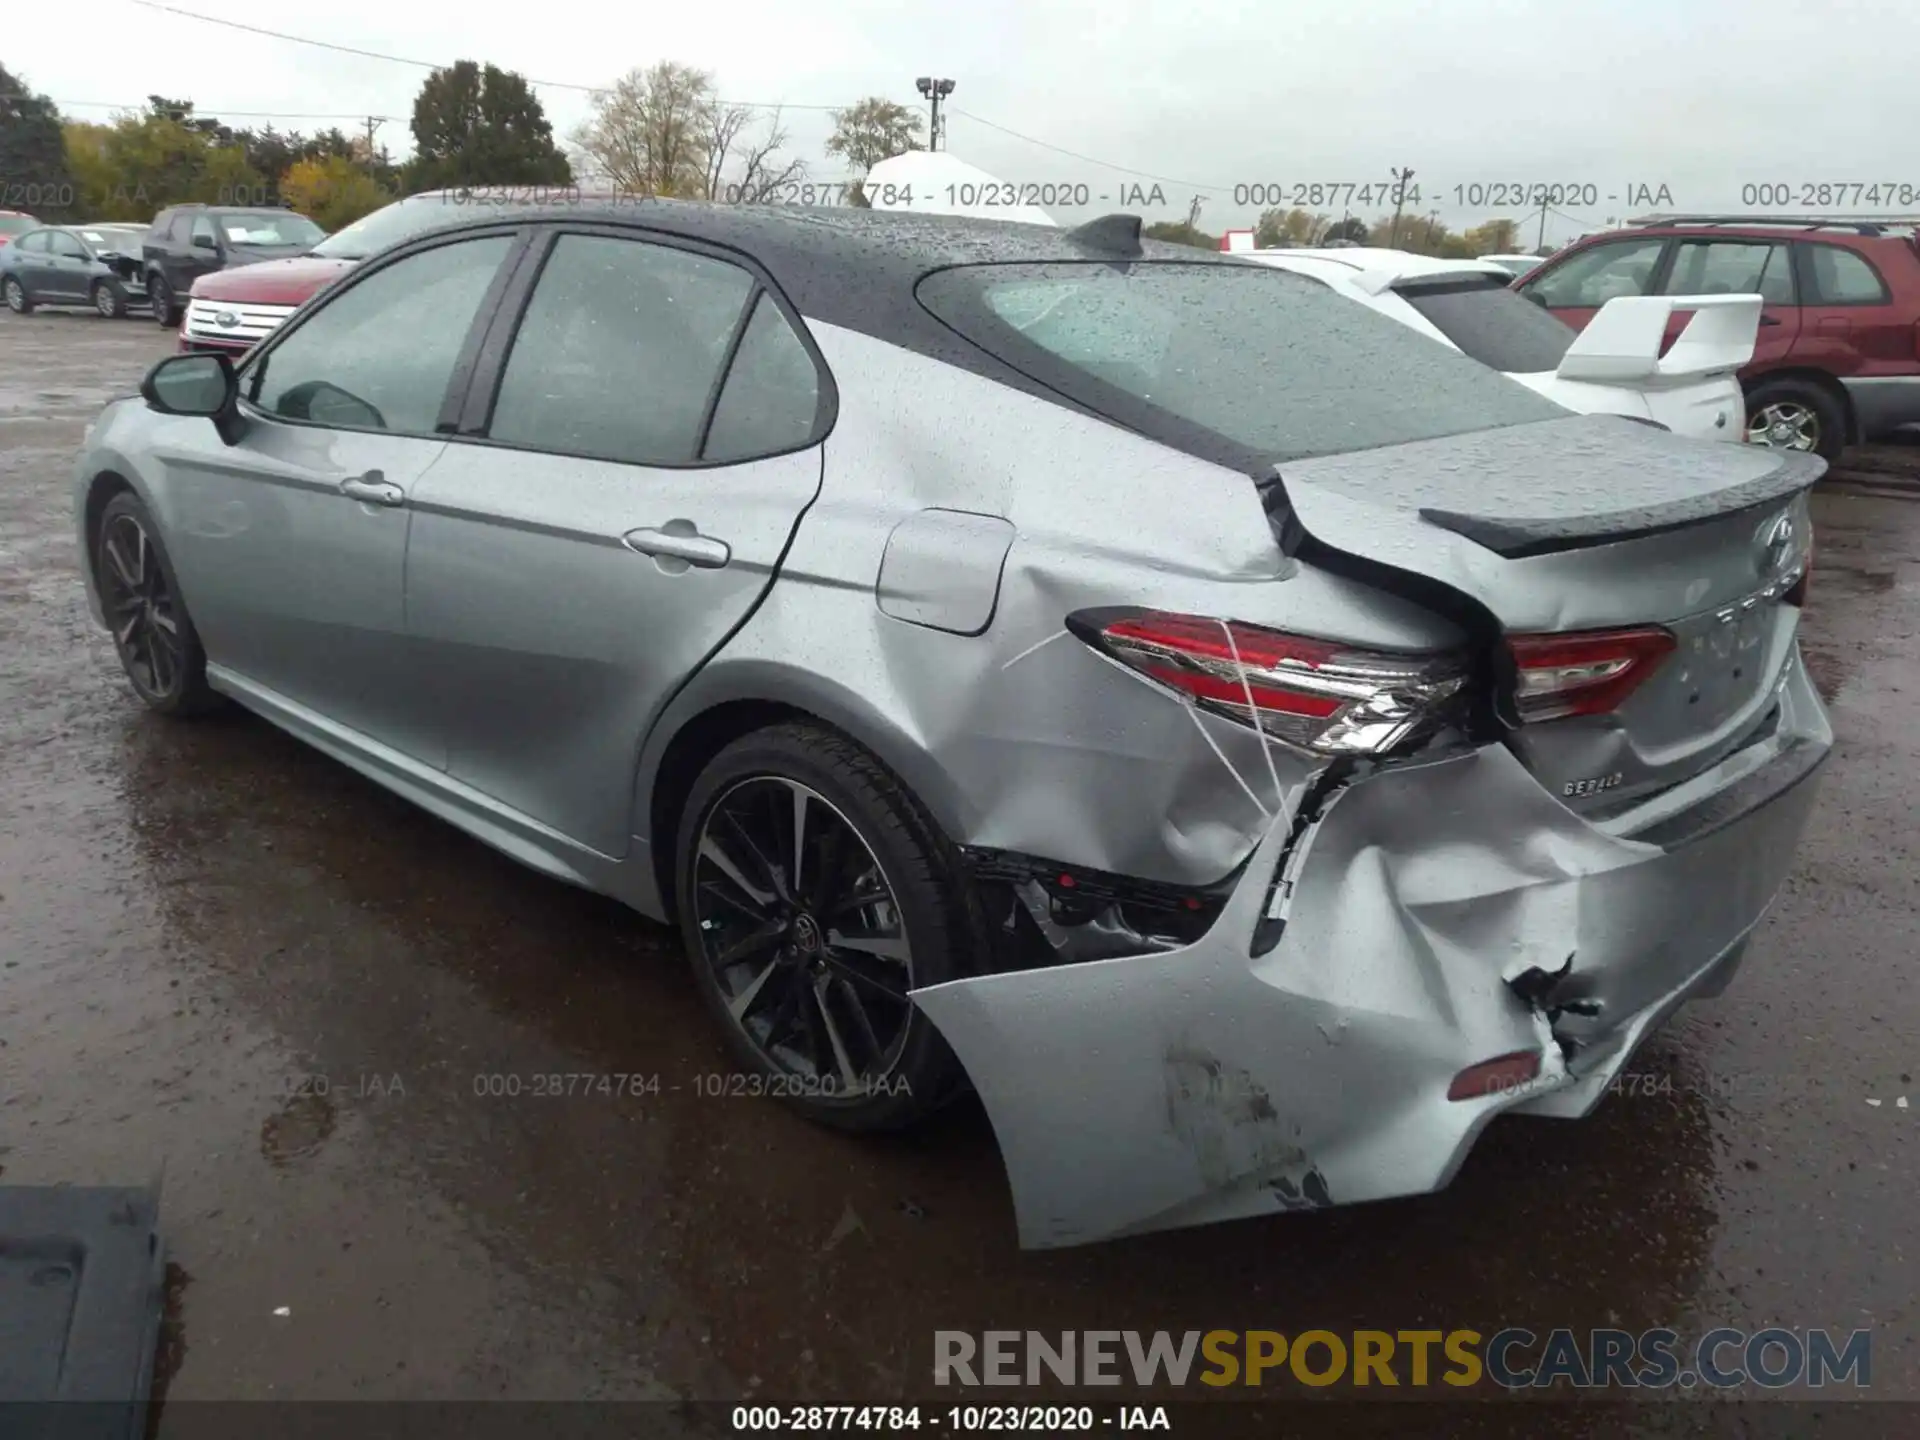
x,y
1401,177
935,91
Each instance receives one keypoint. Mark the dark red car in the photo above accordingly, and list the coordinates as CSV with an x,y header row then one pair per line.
x,y
1838,355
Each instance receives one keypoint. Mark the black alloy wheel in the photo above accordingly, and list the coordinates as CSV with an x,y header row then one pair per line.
x,y
816,895
155,638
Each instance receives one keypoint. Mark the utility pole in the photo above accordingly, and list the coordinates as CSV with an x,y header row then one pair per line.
x,y
935,90
374,122
1433,222
1193,215
1541,239
1401,177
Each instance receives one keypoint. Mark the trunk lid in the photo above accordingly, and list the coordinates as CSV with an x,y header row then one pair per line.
x,y
1590,523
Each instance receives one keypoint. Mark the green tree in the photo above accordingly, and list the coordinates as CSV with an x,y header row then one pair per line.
x,y
475,125
1179,232
1494,237
33,152
1278,228
1351,228
876,129
651,132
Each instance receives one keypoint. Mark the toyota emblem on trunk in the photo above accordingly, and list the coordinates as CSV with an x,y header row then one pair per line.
x,y
1775,544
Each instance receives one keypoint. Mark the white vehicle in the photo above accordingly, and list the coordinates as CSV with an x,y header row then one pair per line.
x,y
1613,367
934,183
1516,265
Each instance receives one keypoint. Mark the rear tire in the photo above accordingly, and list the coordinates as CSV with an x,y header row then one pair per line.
x,y
160,296
18,301
809,983
158,647
109,299
1791,414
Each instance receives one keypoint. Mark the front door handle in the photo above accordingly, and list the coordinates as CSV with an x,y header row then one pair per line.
x,y
373,488
679,540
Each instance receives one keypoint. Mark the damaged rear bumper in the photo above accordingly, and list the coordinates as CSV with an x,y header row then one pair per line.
x,y
1209,1083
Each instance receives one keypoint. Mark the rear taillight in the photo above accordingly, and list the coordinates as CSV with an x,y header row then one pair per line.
x,y
1583,672
1319,695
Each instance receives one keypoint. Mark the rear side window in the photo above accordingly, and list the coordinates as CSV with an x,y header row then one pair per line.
x,y
34,244
1491,323
771,400
619,351
1840,277
1733,267
1239,364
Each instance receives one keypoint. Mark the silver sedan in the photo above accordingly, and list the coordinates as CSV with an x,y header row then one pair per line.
x,y
1251,745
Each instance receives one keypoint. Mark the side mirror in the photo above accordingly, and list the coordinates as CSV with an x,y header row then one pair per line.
x,y
201,384
205,242
190,385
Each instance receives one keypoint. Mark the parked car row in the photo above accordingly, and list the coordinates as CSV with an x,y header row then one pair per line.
x,y
97,266
1838,355
1249,739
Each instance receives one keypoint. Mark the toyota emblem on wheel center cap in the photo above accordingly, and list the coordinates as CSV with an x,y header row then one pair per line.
x,y
806,934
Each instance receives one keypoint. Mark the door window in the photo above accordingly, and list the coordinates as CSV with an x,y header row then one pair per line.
x,y
202,229
1593,277
381,353
66,247
1733,267
619,351
1840,277
771,401
34,244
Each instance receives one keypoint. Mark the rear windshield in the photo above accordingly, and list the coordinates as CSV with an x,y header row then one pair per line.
x,y
1239,364
1490,322
276,227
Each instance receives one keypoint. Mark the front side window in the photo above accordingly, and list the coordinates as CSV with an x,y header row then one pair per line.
x,y
619,351
1240,364
66,246
202,229
1595,276
1733,267
1841,277
381,353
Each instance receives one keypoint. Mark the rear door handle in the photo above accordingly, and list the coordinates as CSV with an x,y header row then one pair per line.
x,y
373,488
679,540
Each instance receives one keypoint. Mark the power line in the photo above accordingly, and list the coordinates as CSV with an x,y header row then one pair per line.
x,y
214,112
1206,187
430,64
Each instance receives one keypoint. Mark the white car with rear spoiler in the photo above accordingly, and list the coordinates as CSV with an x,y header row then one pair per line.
x,y
1613,367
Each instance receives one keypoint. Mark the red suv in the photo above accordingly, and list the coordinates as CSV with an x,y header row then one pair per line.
x,y
1838,355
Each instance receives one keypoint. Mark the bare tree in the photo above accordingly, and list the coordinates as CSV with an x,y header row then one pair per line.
x,y
652,132
759,173
876,129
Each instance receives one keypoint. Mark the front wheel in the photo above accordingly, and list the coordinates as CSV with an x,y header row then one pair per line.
x,y
158,646
109,299
18,301
1796,415
815,894
160,296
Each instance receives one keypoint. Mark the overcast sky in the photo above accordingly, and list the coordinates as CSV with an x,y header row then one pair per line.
x,y
1701,96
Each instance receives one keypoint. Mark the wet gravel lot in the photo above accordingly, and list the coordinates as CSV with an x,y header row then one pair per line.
x,y
235,967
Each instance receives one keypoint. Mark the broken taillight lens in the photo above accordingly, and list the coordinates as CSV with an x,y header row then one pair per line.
x,y
1317,694
1586,672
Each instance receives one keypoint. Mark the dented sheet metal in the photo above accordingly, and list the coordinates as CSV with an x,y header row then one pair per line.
x,y
1205,1084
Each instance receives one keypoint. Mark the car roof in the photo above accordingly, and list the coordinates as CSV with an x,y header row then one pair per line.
x,y
843,264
